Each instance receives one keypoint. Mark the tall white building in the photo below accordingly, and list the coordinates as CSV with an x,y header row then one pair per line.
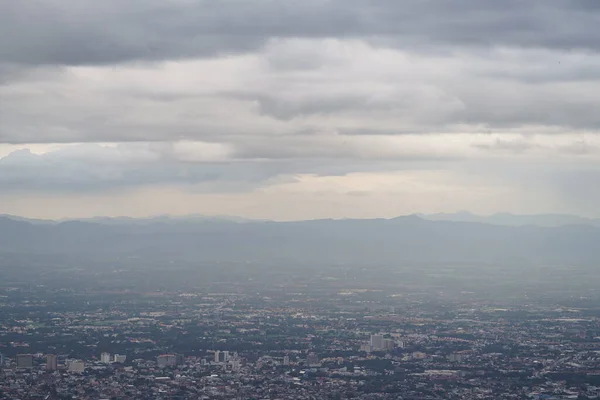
x,y
105,358
223,356
120,358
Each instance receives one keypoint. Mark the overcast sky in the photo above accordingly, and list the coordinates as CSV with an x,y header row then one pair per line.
x,y
299,109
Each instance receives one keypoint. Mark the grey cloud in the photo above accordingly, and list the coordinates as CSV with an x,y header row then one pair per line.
x,y
574,148
274,88
95,168
517,109
504,145
293,87
89,168
580,147
245,100
78,32
330,147
287,110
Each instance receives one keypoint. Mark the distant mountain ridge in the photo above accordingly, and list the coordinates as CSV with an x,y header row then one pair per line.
x,y
129,220
504,219
409,239
507,219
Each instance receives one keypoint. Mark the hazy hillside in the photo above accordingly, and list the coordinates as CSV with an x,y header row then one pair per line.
x,y
404,239
545,220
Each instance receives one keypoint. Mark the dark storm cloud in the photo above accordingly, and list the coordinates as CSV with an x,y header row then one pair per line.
x,y
90,32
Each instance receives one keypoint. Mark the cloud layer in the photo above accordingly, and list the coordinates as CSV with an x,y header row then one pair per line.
x,y
76,32
251,98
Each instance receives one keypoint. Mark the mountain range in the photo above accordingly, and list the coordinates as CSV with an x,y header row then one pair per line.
x,y
409,239
547,220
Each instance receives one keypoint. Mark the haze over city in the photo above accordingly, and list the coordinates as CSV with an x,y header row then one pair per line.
x,y
301,200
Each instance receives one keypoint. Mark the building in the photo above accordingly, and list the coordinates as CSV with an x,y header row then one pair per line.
x,y
51,362
389,344
221,356
24,361
119,358
76,366
236,365
313,360
2,361
179,359
455,357
105,358
286,360
166,360
377,342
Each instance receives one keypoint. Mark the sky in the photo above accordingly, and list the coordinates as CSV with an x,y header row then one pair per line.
x,y
291,110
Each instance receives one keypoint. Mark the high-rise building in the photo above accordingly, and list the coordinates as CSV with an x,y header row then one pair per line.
x,y
388,344
119,358
179,359
24,361
166,360
105,358
222,356
2,361
76,366
377,342
51,362
286,360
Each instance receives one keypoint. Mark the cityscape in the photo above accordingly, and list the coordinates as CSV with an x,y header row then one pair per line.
x,y
299,200
342,332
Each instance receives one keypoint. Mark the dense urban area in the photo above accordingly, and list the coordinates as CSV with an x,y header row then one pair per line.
x,y
142,329
299,200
